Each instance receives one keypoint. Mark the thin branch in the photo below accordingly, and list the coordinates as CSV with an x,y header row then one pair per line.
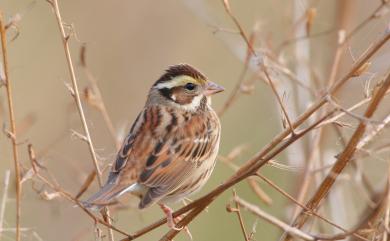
x,y
236,90
352,108
350,113
88,181
239,216
65,39
307,210
271,83
76,202
13,126
294,40
271,219
57,188
238,25
259,191
293,231
375,15
368,138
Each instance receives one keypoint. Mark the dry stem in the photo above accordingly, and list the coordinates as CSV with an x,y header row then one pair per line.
x,y
239,216
271,219
65,39
8,86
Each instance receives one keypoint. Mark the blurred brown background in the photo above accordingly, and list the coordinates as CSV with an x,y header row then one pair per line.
x,y
129,44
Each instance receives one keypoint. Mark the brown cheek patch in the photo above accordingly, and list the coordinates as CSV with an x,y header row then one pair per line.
x,y
180,97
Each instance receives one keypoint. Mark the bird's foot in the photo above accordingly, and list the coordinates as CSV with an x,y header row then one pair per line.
x,y
171,221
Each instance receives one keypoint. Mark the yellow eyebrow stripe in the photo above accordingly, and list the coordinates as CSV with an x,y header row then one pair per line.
x,y
180,81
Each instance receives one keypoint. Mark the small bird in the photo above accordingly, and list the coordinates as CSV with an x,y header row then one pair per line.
x,y
171,149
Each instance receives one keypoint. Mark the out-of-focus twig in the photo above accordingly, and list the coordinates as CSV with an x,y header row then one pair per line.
x,y
352,108
8,88
97,96
236,90
4,199
88,181
281,104
374,15
377,129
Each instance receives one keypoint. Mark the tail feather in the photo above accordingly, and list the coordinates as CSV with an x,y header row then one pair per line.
x,y
105,196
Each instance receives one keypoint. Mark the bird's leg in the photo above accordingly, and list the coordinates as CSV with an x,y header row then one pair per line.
x,y
170,220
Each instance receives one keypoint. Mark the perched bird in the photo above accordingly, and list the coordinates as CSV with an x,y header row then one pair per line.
x,y
171,149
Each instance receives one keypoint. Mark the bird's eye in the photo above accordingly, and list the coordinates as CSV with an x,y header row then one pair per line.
x,y
190,86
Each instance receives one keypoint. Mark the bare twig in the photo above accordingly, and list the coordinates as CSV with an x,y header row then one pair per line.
x,y
375,15
282,106
259,191
65,39
13,126
76,202
88,181
271,219
238,25
307,210
237,87
59,191
368,138
238,212
352,108
287,228
350,113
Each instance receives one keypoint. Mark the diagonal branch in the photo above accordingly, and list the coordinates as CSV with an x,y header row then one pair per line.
x,y
271,219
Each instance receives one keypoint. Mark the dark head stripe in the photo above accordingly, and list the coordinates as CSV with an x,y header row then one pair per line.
x,y
178,70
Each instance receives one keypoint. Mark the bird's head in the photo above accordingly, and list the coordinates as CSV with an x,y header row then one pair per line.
x,y
184,87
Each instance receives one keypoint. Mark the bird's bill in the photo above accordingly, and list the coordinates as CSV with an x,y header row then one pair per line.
x,y
212,88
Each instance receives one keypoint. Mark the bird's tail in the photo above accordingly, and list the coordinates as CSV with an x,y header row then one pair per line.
x,y
105,196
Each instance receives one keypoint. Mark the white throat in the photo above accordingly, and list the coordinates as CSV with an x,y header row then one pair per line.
x,y
193,106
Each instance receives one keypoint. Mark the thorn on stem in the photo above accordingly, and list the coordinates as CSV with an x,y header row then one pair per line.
x,y
79,136
70,89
